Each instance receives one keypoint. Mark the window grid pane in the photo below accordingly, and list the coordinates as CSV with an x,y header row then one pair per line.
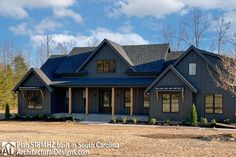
x,y
127,98
192,68
146,100
166,102
175,103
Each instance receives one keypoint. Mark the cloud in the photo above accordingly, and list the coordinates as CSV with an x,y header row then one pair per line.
x,y
67,13
46,24
141,8
126,28
17,8
160,9
93,38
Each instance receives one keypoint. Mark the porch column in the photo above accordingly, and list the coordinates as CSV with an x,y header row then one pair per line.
x,y
86,103
131,101
113,102
70,100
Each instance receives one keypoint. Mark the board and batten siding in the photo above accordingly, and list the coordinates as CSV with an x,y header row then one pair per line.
x,y
106,52
170,79
205,84
34,81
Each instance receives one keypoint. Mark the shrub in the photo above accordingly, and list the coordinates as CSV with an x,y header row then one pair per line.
x,y
167,121
17,116
124,119
204,121
134,120
27,116
7,112
213,122
114,119
41,116
153,121
194,115
227,121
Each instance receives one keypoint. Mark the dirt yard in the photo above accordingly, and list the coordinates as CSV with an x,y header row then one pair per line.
x,y
132,140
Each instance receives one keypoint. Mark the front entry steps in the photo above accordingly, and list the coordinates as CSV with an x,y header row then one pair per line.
x,y
98,118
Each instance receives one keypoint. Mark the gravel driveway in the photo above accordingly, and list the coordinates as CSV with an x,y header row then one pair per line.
x,y
132,140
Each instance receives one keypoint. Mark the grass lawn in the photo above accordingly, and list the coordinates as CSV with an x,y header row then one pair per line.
x,y
133,140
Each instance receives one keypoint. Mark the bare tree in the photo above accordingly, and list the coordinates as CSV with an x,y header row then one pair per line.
x,y
225,76
221,28
65,47
7,52
197,24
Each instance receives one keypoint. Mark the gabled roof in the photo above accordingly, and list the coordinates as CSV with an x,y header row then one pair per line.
x,y
72,62
199,52
177,73
118,49
51,65
138,54
38,72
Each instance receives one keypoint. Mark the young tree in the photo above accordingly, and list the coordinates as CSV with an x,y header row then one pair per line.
x,y
194,115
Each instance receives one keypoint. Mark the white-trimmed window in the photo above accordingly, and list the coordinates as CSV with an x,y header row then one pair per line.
x,y
192,69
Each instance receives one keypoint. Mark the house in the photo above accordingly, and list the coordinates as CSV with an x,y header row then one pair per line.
x,y
130,80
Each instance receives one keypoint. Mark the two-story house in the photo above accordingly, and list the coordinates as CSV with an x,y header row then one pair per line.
x,y
130,80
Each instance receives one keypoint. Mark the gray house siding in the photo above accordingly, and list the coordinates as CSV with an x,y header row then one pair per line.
x,y
34,81
106,52
205,84
170,79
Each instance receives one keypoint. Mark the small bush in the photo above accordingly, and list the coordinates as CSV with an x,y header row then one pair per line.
x,y
17,116
134,120
124,119
7,112
227,121
114,119
204,121
167,122
153,121
27,116
213,122
194,115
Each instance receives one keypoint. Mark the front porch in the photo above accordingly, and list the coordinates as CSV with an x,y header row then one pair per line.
x,y
112,101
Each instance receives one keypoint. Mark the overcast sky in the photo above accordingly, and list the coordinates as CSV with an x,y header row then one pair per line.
x,y
25,22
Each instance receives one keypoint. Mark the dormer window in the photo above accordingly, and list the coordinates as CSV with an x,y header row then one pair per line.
x,y
192,69
106,65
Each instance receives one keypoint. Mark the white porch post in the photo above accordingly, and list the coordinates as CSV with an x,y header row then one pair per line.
x,y
113,102
131,101
86,103
70,100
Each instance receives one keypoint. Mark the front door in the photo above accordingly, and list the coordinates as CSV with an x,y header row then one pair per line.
x,y
105,101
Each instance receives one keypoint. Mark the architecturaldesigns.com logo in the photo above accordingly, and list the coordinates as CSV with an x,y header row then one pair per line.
x,y
7,148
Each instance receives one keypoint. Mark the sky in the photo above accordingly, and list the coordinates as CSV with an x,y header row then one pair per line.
x,y
26,22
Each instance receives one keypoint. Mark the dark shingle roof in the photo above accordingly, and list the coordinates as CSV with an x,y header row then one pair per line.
x,y
104,82
173,55
72,62
155,67
77,50
140,54
51,65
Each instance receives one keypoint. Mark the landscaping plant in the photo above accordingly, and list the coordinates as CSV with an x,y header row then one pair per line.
x,y
134,120
7,112
124,119
153,121
204,121
194,115
114,119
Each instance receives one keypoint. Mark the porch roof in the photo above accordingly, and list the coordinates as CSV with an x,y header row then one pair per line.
x,y
104,82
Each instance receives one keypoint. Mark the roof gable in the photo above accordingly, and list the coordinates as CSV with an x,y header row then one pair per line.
x,y
184,80
116,47
45,80
198,52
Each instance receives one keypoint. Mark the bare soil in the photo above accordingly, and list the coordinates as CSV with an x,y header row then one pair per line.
x,y
133,140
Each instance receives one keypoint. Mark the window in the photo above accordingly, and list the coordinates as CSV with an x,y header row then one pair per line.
x,y
213,103
105,66
146,100
127,98
34,99
170,102
192,68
